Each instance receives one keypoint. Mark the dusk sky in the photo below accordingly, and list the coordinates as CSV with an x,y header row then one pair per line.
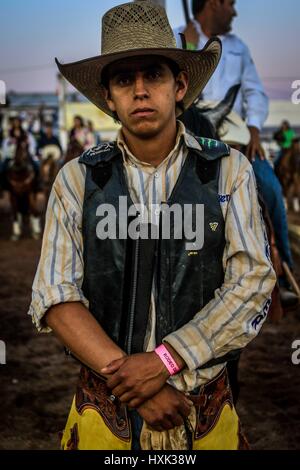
x,y
33,32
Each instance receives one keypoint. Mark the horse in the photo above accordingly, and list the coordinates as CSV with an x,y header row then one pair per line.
x,y
20,180
203,119
74,150
288,172
50,166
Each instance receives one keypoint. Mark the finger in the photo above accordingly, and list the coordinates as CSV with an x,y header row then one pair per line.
x,y
136,402
177,420
128,397
185,408
167,424
113,366
157,428
120,390
262,153
114,381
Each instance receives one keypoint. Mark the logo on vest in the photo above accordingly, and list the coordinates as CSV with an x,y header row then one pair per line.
x,y
214,226
224,198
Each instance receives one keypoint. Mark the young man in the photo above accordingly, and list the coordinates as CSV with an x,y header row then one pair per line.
x,y
153,319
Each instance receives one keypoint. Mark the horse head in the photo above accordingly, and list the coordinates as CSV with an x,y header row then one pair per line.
x,y
206,120
21,157
217,115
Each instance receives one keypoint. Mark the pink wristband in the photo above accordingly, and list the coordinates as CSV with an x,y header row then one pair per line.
x,y
167,359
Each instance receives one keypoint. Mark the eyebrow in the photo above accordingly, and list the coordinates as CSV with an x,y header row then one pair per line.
x,y
126,69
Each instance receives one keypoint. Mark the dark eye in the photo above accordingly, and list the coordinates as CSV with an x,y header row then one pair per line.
x,y
123,79
153,74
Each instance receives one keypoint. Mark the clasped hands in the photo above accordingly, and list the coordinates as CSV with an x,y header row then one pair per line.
x,y
139,381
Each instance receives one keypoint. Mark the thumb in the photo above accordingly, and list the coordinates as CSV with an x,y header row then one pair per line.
x,y
113,366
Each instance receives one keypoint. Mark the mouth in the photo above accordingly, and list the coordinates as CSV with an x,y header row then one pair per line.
x,y
143,112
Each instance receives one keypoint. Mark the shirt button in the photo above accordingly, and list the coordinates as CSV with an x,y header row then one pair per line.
x,y
157,212
156,175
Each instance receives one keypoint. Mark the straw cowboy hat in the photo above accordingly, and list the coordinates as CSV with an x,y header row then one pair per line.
x,y
52,151
138,29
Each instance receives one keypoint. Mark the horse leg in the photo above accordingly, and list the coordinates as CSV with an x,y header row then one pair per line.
x,y
17,218
293,197
297,190
34,219
296,205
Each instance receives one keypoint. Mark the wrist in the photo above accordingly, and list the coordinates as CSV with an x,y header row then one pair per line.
x,y
254,130
191,46
168,359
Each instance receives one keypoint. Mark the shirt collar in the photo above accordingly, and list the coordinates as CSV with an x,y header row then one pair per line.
x,y
202,34
182,137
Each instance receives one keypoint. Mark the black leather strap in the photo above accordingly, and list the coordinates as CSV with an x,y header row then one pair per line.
x,y
146,262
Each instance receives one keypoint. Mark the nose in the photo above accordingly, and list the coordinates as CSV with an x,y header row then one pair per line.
x,y
140,90
234,12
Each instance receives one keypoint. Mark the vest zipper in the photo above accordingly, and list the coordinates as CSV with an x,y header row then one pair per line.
x,y
133,300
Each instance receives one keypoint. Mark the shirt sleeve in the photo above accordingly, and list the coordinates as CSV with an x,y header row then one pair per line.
x,y
59,274
236,313
255,99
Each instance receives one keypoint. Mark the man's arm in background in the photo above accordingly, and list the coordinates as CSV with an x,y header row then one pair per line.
x,y
256,103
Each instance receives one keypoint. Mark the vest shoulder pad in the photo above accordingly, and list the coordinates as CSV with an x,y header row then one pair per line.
x,y
103,153
213,149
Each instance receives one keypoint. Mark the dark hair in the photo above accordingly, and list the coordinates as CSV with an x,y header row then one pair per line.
x,y
173,66
198,6
80,119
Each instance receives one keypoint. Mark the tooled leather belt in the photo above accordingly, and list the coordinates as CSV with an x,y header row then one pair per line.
x,y
92,392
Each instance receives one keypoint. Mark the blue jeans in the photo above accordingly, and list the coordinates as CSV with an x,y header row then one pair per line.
x,y
136,427
271,192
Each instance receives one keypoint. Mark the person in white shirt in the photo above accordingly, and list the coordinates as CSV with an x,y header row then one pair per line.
x,y
214,18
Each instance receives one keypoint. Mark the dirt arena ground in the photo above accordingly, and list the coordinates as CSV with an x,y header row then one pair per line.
x,y
37,383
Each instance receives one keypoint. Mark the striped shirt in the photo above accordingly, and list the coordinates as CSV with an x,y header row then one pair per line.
x,y
239,307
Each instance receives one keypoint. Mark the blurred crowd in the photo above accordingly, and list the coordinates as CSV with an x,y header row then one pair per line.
x,y
31,155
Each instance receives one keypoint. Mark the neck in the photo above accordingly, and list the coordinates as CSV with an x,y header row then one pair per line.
x,y
207,25
152,150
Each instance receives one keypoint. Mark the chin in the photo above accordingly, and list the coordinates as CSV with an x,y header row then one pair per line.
x,y
146,133
146,130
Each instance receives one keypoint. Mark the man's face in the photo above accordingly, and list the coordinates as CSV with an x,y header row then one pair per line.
x,y
143,92
224,13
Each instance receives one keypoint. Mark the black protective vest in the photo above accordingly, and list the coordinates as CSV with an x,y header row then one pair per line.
x,y
118,273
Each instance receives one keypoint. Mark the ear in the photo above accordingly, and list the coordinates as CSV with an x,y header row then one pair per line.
x,y
214,4
181,82
109,100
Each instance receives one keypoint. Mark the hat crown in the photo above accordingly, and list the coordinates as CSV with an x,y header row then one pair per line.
x,y
136,25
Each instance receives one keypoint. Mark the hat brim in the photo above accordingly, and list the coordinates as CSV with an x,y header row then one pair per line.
x,y
200,65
